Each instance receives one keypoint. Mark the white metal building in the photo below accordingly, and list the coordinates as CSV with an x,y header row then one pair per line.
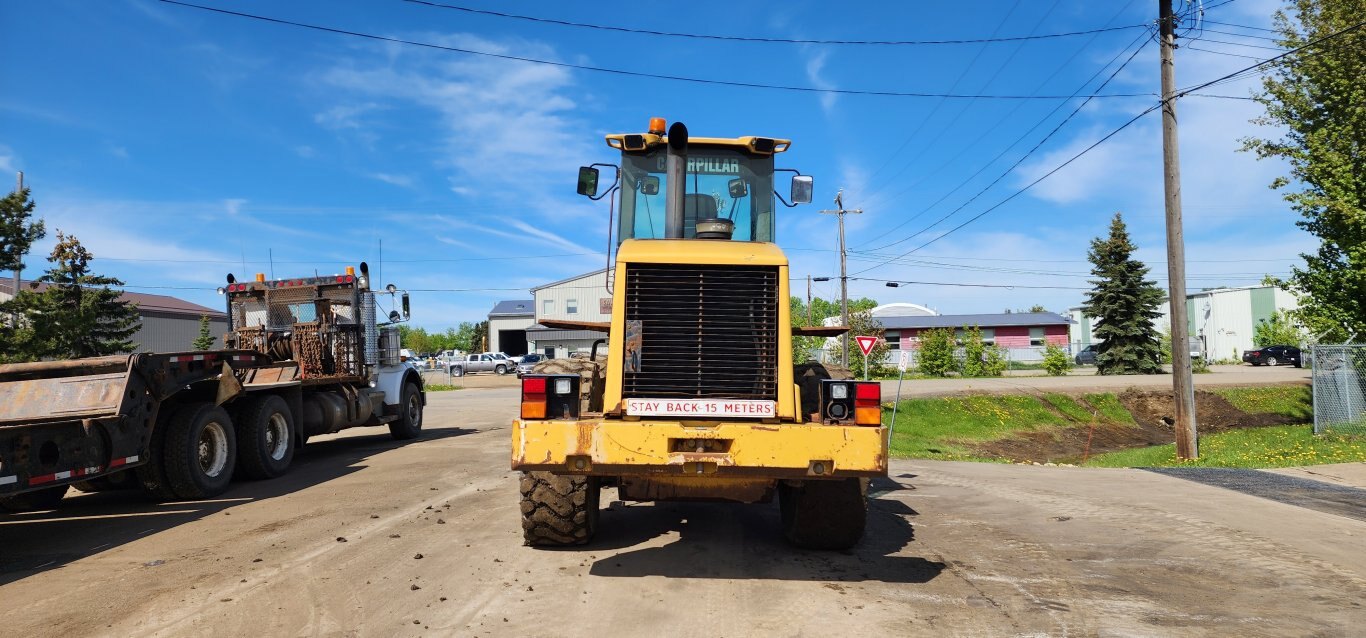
x,y
582,298
1222,318
508,324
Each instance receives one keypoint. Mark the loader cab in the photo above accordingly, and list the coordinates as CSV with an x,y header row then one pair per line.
x,y
729,180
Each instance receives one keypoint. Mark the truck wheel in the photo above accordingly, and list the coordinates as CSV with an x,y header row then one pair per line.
x,y
501,369
558,510
824,514
409,422
44,499
265,438
200,451
457,371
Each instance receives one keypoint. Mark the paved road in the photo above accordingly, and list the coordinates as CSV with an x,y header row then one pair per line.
x,y
952,549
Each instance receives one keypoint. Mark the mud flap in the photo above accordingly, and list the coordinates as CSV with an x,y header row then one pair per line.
x,y
228,385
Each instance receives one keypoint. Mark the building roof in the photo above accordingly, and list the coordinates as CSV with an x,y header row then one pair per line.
x,y
565,281
984,321
161,304
514,308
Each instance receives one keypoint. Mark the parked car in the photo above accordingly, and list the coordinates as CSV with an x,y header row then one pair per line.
x,y
528,362
504,357
480,363
415,359
1273,356
1087,357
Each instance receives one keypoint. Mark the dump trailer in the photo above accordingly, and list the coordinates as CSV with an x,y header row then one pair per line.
x,y
302,357
699,398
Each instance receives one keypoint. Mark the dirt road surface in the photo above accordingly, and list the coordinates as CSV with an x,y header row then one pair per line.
x,y
368,537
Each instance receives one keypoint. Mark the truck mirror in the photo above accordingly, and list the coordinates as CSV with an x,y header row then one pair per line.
x,y
393,316
802,186
649,185
406,311
738,188
588,181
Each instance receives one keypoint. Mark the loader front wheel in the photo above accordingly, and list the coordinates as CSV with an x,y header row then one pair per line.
x,y
558,511
829,514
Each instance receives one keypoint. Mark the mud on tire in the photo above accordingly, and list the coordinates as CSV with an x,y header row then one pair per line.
x,y
828,514
558,510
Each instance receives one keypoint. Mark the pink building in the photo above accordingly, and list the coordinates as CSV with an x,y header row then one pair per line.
x,y
1008,330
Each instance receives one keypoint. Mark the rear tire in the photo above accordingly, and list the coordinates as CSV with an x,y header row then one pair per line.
x,y
44,499
1271,361
152,474
824,514
559,511
200,451
457,371
265,438
409,423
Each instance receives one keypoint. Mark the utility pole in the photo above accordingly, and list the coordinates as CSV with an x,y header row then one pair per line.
x,y
839,212
808,300
1182,386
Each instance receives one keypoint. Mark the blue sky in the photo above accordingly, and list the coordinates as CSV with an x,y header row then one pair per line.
x,y
179,144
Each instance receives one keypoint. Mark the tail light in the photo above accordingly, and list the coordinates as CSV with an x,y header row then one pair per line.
x,y
550,396
856,402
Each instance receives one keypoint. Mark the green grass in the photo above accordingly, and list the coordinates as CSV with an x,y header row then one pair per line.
x,y
1069,406
1279,446
1110,408
927,428
1294,401
438,387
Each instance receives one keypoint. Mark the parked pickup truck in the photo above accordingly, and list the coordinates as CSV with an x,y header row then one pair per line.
x,y
480,363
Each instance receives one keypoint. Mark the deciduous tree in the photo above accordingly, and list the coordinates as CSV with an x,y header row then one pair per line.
x,y
1315,97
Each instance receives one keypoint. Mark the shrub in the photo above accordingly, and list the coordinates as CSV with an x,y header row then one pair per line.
x,y
936,353
993,361
1056,361
973,350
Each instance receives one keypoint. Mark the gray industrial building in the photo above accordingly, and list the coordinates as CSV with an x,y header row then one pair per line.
x,y
168,324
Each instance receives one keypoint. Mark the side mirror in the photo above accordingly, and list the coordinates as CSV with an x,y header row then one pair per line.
x,y
649,185
588,181
802,185
393,316
406,311
738,188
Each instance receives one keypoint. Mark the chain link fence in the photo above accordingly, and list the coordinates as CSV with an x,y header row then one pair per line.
x,y
1339,401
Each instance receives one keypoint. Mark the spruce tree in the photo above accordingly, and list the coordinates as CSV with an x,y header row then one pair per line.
x,y
1123,305
17,234
205,340
79,314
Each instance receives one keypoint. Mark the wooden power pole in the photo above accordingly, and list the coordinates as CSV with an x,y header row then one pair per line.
x,y
1182,386
844,271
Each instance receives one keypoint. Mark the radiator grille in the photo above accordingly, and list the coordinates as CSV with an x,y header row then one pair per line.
x,y
706,331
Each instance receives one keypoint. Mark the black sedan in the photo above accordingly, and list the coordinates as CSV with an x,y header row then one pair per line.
x,y
1273,356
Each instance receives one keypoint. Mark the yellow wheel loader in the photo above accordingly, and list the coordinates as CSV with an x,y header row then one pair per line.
x,y
699,398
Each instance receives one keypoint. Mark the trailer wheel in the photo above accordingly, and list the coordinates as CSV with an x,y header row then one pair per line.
x,y
44,499
112,482
824,514
409,422
200,451
558,511
265,438
152,474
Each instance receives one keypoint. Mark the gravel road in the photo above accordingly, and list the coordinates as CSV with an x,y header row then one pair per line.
x,y
372,538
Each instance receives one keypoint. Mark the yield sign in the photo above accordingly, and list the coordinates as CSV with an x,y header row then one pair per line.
x,y
866,344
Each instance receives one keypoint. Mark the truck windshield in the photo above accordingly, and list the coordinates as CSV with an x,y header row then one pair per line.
x,y
722,183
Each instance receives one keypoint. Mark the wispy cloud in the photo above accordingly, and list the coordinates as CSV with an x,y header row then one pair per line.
x,y
8,161
345,116
815,66
405,181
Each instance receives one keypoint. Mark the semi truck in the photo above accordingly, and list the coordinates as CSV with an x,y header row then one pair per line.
x,y
302,357
701,398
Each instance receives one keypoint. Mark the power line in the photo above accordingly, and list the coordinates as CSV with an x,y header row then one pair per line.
x,y
1241,26
1017,163
768,40
342,261
640,74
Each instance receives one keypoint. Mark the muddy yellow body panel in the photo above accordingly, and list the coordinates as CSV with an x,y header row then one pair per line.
x,y
611,447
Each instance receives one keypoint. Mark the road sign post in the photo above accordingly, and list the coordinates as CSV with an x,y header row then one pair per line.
x,y
866,345
903,363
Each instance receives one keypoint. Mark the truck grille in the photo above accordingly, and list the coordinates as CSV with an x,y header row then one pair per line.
x,y
706,331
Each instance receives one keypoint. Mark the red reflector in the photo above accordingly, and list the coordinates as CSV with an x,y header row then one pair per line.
x,y
350,278
341,279
533,385
868,391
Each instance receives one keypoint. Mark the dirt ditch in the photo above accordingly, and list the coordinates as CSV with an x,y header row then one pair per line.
x,y
1153,417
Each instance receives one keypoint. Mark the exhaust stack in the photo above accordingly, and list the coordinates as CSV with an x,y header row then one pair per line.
x,y
676,172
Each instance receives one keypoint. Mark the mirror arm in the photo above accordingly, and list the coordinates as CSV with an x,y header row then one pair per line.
x,y
780,198
615,180
779,195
